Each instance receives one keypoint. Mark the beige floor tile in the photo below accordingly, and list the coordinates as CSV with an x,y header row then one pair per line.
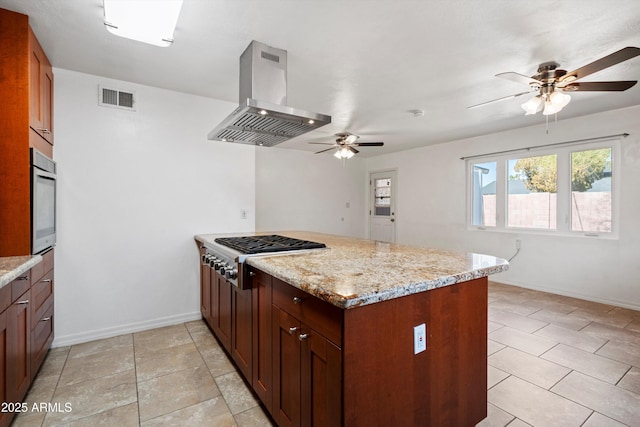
x,y
217,361
122,416
560,319
212,412
28,419
41,390
588,363
157,339
612,333
570,337
631,380
152,364
254,417
613,318
169,393
96,365
236,393
496,417
493,326
607,399
516,321
98,346
205,340
518,423
599,420
527,367
634,325
622,352
92,397
494,376
493,346
196,326
535,405
523,309
529,343
54,362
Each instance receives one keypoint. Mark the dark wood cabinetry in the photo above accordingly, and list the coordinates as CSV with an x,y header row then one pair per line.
x,y
26,330
314,364
26,121
221,309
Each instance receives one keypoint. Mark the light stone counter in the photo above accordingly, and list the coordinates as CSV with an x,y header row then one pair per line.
x,y
13,266
354,272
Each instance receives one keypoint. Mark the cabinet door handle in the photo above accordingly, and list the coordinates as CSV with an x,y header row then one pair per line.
x,y
303,337
45,130
22,278
26,301
45,319
292,329
47,280
297,300
251,274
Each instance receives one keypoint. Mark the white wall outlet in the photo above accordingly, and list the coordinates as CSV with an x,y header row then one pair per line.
x,y
243,214
419,338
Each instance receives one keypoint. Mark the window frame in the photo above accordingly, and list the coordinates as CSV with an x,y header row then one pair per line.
x,y
563,207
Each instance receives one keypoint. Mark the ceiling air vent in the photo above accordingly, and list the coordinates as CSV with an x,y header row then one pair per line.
x,y
116,98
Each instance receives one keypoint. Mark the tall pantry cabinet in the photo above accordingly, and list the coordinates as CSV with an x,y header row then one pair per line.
x,y
26,91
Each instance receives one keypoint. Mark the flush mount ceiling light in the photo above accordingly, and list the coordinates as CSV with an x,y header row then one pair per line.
x,y
147,21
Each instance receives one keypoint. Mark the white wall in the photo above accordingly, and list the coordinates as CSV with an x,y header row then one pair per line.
x,y
299,190
134,187
432,212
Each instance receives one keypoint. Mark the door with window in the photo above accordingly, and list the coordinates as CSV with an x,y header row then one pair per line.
x,y
382,211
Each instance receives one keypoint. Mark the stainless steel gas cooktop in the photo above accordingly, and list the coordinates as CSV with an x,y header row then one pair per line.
x,y
267,244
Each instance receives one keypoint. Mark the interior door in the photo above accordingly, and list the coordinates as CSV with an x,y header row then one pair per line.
x,y
382,223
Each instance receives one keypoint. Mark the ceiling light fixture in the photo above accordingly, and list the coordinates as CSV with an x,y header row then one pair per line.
x,y
343,153
148,21
549,101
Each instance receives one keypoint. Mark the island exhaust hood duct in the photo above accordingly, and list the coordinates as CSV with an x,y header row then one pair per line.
x,y
263,117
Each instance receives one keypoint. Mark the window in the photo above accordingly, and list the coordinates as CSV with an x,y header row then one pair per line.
x,y
567,189
382,203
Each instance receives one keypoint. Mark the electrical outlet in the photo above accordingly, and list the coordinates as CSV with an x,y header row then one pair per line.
x,y
518,243
419,338
243,214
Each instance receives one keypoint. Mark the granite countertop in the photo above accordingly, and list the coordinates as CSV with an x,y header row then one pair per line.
x,y
13,266
354,272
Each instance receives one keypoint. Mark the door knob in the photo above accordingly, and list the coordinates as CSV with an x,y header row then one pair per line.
x,y
392,220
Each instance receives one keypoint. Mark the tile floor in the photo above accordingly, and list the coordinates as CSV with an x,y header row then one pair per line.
x,y
553,361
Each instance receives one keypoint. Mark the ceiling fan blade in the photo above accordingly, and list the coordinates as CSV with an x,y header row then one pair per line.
x,y
321,143
352,149
600,86
519,78
323,150
499,99
602,63
369,144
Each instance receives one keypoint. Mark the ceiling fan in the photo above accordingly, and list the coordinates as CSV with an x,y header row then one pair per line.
x,y
345,143
551,83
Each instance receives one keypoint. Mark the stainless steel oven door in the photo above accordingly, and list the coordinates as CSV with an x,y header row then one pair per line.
x,y
43,202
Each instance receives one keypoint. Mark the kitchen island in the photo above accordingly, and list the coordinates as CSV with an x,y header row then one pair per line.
x,y
328,335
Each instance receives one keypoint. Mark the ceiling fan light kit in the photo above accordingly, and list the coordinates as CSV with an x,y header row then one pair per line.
x,y
551,82
344,145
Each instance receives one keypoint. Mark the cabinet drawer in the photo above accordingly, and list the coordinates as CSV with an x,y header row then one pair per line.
x,y
315,313
41,296
20,285
41,338
43,267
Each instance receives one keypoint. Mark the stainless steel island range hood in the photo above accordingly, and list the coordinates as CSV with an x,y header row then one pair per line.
x,y
263,117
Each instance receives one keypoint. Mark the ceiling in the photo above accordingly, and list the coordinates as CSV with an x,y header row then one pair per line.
x,y
367,63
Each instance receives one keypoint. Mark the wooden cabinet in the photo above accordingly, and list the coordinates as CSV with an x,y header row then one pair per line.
x,y
241,330
27,97
40,93
221,309
307,365
205,287
261,309
26,330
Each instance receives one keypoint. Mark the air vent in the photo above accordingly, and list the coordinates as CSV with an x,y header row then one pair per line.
x,y
269,56
115,98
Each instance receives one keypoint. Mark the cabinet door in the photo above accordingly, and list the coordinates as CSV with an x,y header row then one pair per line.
x,y
221,309
241,330
40,90
18,347
4,365
321,385
286,369
262,338
205,291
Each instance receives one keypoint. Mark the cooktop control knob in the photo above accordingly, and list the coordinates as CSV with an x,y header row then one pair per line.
x,y
231,273
223,269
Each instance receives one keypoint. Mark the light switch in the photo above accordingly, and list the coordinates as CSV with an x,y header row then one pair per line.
x,y
419,338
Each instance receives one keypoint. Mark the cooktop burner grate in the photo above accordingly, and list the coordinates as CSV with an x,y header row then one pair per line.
x,y
264,244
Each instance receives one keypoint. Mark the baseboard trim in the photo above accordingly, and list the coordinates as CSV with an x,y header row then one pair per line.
x,y
569,294
82,337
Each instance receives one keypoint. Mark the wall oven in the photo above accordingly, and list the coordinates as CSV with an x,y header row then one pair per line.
x,y
43,202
